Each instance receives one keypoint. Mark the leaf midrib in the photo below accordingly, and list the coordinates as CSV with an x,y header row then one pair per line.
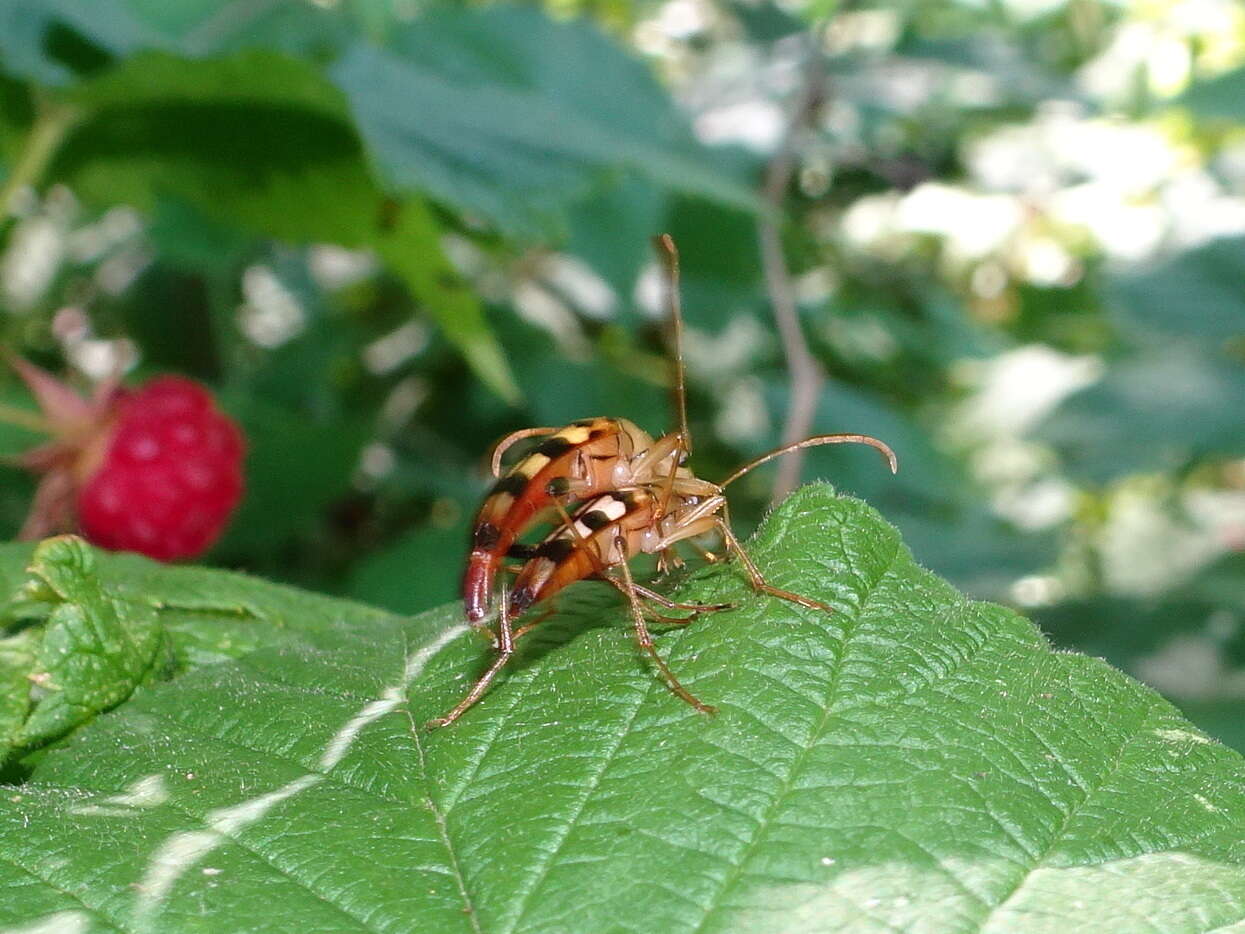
x,y
732,876
95,912
1090,793
551,854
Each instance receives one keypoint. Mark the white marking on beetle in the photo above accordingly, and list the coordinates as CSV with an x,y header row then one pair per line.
x,y
185,848
613,509
533,463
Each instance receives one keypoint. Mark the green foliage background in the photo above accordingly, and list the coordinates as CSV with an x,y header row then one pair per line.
x,y
388,233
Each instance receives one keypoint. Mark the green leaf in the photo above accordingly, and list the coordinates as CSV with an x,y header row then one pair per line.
x,y
54,41
1195,294
506,115
17,661
1159,409
1221,97
411,248
95,647
25,27
94,617
264,142
912,761
296,467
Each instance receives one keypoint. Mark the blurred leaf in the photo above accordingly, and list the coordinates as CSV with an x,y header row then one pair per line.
x,y
257,139
412,249
418,571
186,236
263,141
719,261
611,231
21,44
1219,583
159,79
1124,630
109,25
14,438
856,754
925,474
296,466
1158,409
1221,97
1197,294
168,314
765,21
976,550
32,30
1015,76
558,388
504,114
14,557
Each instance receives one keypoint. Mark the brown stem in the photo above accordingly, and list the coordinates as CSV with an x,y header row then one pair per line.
x,y
806,376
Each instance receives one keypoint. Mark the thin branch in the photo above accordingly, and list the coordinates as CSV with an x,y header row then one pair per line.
x,y
23,418
806,377
53,120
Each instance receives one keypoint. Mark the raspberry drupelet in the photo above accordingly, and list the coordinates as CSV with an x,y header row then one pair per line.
x,y
156,469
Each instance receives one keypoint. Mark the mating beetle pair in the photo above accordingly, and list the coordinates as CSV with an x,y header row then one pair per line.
x,y
614,492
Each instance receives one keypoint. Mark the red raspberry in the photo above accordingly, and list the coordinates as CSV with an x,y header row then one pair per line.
x,y
157,469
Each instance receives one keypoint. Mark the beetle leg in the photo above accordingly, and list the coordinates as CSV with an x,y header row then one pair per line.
x,y
648,610
505,648
757,579
704,552
673,605
668,560
645,641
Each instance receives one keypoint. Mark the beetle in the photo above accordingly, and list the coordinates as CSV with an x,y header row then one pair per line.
x,y
636,496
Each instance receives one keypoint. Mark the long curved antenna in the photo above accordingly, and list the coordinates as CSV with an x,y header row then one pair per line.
x,y
500,448
881,446
669,254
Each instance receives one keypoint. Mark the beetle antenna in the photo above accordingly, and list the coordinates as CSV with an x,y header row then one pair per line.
x,y
881,446
669,254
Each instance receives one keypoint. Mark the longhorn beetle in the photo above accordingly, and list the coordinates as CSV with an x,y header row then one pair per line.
x,y
635,496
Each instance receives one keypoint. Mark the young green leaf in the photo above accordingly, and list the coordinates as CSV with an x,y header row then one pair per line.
x,y
913,761
90,626
94,649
